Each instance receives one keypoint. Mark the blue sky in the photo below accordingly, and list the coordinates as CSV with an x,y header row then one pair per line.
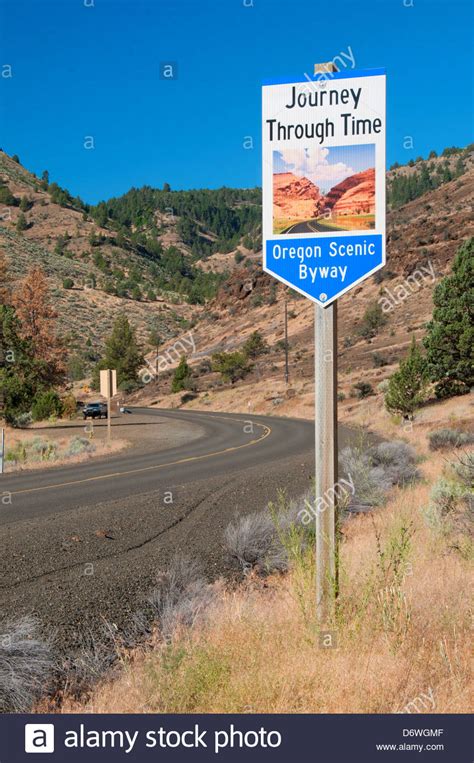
x,y
95,71
325,167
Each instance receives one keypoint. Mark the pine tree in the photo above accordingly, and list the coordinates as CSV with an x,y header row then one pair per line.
x,y
18,372
21,223
407,386
450,337
25,204
231,365
123,353
255,345
182,376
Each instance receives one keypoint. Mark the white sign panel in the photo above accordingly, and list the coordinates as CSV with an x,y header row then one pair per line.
x,y
108,382
324,181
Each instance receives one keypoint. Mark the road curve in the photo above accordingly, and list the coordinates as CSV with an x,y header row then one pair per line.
x,y
232,442
311,226
85,542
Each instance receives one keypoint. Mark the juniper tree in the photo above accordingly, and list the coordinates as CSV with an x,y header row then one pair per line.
x,y
449,340
122,352
407,386
182,376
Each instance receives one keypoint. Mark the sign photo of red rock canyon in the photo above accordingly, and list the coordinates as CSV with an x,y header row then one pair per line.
x,y
319,190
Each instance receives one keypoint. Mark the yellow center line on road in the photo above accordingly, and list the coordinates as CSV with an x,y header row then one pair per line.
x,y
156,466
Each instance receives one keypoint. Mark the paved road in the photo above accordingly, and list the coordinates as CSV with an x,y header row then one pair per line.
x,y
85,542
231,443
310,226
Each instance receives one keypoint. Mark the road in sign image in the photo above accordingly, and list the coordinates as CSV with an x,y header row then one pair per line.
x,y
324,181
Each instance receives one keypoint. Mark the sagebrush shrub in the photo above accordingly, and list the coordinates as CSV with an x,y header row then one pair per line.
x,y
26,662
181,595
449,438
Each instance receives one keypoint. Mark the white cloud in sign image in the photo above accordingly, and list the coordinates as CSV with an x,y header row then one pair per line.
x,y
325,167
312,163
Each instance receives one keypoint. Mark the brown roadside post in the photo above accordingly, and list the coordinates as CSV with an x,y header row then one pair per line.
x,y
108,388
326,456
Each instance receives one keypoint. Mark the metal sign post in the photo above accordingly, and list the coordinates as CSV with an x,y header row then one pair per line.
x,y
325,450
325,422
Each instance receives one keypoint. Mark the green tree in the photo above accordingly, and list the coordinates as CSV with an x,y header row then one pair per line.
x,y
363,389
100,214
17,378
16,158
76,369
154,338
135,292
449,340
46,404
182,376
6,197
25,204
123,353
231,365
407,387
255,345
21,223
59,195
374,318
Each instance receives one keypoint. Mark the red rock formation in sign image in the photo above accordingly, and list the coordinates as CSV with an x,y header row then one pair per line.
x,y
295,198
355,195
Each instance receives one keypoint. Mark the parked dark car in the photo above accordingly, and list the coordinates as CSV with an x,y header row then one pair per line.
x,y
94,411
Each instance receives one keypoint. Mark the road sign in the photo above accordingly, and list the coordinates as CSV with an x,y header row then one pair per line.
x,y
324,181
108,382
108,388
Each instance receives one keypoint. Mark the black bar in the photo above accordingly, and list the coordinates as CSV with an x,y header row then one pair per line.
x,y
275,738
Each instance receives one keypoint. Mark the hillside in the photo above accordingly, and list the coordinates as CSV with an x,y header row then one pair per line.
x,y
152,253
423,236
95,271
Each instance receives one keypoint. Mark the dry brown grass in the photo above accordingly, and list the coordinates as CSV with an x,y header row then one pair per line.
x,y
403,630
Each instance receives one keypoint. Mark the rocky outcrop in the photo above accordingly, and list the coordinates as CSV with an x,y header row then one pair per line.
x,y
355,195
295,197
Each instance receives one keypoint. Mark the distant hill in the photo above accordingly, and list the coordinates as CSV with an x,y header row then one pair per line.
x,y
179,259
